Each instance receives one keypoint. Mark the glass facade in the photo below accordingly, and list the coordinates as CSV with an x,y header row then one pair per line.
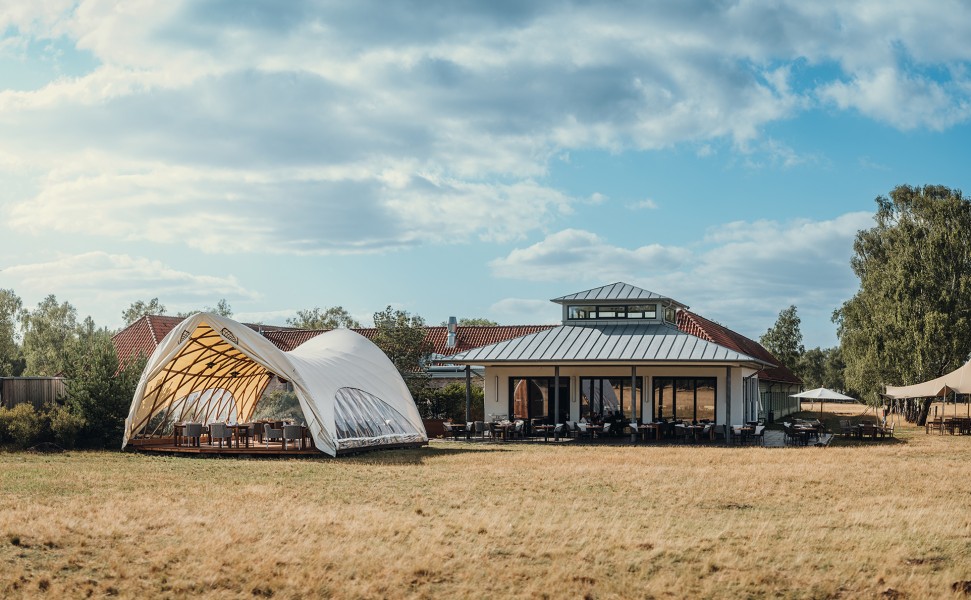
x,y
607,397
685,398
533,398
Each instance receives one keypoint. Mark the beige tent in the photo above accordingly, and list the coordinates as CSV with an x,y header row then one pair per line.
x,y
210,368
958,380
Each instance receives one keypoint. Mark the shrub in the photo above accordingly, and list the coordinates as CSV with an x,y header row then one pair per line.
x,y
24,425
448,402
65,425
279,405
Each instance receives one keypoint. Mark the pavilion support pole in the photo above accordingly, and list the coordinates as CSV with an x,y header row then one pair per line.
x,y
468,393
633,391
556,395
728,404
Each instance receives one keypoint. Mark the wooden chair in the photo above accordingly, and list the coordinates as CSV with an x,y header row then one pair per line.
x,y
759,436
888,430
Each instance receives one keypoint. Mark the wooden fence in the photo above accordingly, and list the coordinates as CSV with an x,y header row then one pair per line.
x,y
34,390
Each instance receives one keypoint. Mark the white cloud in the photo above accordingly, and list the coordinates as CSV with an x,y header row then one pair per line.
x,y
646,204
748,272
309,128
109,281
574,254
521,310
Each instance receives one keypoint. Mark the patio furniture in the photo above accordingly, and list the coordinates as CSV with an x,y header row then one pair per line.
x,y
481,429
193,433
846,429
758,437
888,431
292,433
583,431
270,433
606,430
518,429
219,431
241,431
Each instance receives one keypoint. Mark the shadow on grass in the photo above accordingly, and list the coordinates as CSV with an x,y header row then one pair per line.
x,y
415,456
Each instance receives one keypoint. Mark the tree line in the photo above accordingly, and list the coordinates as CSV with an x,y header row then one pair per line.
x,y
910,319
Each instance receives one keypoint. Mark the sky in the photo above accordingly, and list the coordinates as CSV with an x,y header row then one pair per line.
x,y
473,159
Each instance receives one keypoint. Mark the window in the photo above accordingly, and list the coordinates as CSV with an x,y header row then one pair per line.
x,y
602,397
616,311
684,398
669,315
534,398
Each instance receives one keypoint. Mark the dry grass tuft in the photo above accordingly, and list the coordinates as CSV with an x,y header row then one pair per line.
x,y
874,520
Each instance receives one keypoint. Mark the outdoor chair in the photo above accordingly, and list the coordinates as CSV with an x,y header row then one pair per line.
x,y
481,429
888,430
846,429
607,428
759,436
193,433
271,434
519,429
219,431
582,431
559,430
292,433
469,429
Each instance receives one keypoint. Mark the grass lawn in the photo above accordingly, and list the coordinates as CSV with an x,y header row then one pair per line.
x,y
885,519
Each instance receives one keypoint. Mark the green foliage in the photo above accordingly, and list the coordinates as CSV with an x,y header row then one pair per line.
x,y
222,308
474,322
11,361
279,404
139,309
402,337
21,425
331,318
65,425
784,339
911,318
99,389
448,402
48,330
822,367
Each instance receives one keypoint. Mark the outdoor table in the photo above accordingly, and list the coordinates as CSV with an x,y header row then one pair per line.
x,y
240,430
655,427
546,429
502,428
178,432
743,433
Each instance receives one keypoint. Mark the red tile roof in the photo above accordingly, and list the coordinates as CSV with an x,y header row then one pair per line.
x,y
699,326
145,334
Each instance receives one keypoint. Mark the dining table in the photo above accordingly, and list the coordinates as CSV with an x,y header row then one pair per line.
x,y
546,429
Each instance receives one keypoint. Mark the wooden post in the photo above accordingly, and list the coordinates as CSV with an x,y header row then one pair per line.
x,y
556,395
633,391
728,404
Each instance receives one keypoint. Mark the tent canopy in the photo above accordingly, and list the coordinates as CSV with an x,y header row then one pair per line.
x,y
210,368
822,394
958,380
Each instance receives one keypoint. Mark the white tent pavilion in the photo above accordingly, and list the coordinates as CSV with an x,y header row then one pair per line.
x,y
823,394
212,368
958,380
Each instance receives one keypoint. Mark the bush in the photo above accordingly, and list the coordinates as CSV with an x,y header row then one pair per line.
x,y
448,402
65,425
279,405
24,425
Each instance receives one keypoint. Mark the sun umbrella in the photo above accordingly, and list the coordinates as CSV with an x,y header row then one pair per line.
x,y
822,394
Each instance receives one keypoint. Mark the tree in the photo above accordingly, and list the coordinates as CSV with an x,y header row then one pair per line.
x,y
48,330
11,361
99,389
139,309
910,320
812,368
402,338
331,318
784,339
222,308
474,322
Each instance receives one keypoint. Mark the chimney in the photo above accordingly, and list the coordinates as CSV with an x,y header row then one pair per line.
x,y
452,326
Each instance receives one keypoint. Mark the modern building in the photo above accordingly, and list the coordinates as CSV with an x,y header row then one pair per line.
x,y
625,352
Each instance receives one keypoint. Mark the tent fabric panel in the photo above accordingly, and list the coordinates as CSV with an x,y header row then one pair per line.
x,y
958,380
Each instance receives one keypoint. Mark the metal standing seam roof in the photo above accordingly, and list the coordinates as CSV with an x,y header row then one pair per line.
x,y
614,291
622,342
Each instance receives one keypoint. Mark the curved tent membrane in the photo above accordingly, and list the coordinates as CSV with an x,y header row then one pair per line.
x,y
210,368
958,380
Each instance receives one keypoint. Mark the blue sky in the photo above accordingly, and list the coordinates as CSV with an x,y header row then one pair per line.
x,y
466,158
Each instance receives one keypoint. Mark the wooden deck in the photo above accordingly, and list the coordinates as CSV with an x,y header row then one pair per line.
x,y
275,449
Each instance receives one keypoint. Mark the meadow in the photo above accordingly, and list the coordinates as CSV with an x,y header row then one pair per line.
x,y
873,520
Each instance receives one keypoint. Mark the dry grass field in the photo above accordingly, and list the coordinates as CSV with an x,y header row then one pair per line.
x,y
454,520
